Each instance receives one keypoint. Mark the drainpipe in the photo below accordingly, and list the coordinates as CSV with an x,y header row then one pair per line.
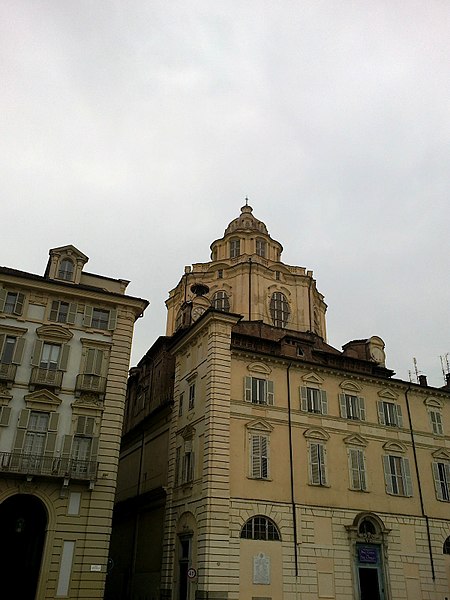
x,y
250,289
291,466
309,299
430,549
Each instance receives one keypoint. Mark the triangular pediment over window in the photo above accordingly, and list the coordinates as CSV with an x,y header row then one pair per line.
x,y
316,434
394,447
259,425
42,400
312,378
388,395
442,453
355,440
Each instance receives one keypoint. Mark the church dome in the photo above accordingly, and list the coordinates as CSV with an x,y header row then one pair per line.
x,y
246,222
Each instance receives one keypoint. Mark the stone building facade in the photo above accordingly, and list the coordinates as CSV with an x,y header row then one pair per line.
x,y
276,466
65,341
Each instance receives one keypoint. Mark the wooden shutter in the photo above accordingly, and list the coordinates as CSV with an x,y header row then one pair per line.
x,y
53,421
50,443
255,467
54,311
381,418
2,341
18,306
248,389
94,361
270,394
88,312
314,463
407,476
324,402
437,481
67,446
387,474
264,445
64,357
37,351
85,425
304,399
399,415
362,408
343,406
354,469
323,469
112,319
5,412
72,313
94,454
18,351
2,299
19,440
177,465
23,418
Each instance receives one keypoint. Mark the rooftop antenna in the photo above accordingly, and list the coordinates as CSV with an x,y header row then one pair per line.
x,y
416,370
445,365
410,376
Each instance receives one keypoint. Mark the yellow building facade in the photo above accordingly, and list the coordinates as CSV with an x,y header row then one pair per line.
x,y
65,342
272,465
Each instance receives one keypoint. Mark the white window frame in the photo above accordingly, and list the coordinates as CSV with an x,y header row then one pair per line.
x,y
390,413
313,400
357,469
397,474
259,456
436,421
235,247
258,390
11,303
261,247
317,464
352,407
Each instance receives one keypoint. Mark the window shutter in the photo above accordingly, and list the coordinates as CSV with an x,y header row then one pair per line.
x,y
439,428
53,421
381,418
85,425
399,416
354,469
18,307
343,406
324,402
94,453
407,476
72,313
314,463
64,357
54,311
19,440
323,470
112,319
87,319
437,481
387,474
90,360
67,445
264,457
81,424
5,413
2,341
50,443
2,299
248,389
270,394
37,350
362,470
304,399
362,408
98,362
23,418
255,456
18,351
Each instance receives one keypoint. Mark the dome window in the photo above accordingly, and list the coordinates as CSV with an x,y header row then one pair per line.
x,y
221,301
235,247
261,247
279,309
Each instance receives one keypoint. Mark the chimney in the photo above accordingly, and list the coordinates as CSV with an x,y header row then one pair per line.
x,y
423,380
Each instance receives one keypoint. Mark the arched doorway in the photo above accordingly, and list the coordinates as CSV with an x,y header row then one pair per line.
x,y
23,521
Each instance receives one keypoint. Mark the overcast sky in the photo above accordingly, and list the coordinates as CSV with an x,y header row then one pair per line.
x,y
134,129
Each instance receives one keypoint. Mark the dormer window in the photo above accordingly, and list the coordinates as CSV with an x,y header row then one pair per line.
x,y
235,247
261,247
66,269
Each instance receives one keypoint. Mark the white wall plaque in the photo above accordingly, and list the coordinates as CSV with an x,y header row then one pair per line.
x,y
261,569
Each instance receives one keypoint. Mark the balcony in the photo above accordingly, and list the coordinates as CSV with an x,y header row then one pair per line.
x,y
49,378
7,374
15,463
90,383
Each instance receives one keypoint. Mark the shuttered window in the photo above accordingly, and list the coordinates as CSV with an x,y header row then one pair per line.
x,y
397,475
63,312
94,361
357,468
317,464
352,407
50,356
259,456
441,474
390,413
11,349
313,400
11,303
436,422
258,391
99,318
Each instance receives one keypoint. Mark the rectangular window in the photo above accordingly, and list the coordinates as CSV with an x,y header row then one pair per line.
x,y
63,312
258,391
352,407
187,474
36,434
100,318
11,303
317,464
7,354
436,422
313,400
261,247
357,465
390,413
259,456
235,248
441,473
397,475
180,405
191,396
81,453
50,356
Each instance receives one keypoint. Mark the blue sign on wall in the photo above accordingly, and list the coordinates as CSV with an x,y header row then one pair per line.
x,y
367,554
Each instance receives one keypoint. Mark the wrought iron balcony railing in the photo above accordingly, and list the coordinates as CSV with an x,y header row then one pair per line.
x,y
49,466
90,383
7,373
46,377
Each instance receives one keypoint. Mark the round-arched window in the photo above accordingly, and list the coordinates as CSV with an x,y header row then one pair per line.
x,y
279,309
446,547
66,269
367,527
221,301
260,528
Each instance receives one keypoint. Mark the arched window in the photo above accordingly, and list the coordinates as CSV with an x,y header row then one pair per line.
x,y
221,301
279,309
66,269
260,528
446,548
261,247
235,247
